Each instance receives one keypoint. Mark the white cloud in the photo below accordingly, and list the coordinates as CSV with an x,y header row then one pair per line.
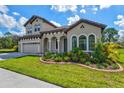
x,y
55,23
1,34
73,19
20,24
120,21
7,21
94,9
64,8
20,27
83,11
15,13
10,22
120,17
121,35
104,6
22,20
4,9
82,6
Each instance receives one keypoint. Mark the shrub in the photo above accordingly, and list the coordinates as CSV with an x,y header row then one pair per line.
x,y
111,51
58,59
66,58
100,66
15,48
105,65
115,66
75,59
99,54
109,61
82,60
76,50
87,56
88,63
76,54
44,58
69,54
48,55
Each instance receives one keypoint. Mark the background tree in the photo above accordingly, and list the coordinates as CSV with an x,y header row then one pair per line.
x,y
8,41
110,35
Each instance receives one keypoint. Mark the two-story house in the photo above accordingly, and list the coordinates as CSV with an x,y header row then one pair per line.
x,y
42,35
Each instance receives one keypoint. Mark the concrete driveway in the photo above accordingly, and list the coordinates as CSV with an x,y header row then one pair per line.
x,y
4,56
9,79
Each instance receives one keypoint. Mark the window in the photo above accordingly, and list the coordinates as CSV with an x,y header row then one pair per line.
x,y
82,42
91,42
29,29
74,42
37,27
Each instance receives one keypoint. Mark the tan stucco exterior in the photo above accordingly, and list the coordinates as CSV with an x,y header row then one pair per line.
x,y
44,26
87,30
55,41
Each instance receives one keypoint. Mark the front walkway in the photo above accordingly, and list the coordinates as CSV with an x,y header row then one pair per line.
x,y
9,79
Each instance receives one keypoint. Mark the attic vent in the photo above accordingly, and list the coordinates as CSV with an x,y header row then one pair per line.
x,y
82,26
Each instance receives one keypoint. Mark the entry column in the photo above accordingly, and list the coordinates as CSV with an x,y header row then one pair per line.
x,y
49,44
58,42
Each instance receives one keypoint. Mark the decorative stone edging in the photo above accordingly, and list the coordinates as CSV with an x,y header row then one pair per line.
x,y
117,70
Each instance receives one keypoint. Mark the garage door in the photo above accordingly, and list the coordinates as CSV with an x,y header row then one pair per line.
x,y
31,47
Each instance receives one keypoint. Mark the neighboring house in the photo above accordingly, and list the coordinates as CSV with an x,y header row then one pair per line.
x,y
41,36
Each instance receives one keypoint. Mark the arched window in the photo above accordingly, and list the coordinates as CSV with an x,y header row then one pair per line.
x,y
74,42
91,42
83,42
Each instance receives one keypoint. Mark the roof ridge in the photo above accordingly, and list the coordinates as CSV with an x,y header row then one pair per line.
x,y
36,16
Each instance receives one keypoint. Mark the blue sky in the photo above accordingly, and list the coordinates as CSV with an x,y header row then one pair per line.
x,y
13,17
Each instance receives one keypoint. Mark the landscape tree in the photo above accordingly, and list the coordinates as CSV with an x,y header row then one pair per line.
x,y
110,35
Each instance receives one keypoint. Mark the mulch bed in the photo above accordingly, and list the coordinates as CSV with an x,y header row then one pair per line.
x,y
93,66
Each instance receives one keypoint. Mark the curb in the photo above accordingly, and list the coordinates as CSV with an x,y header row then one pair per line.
x,y
117,70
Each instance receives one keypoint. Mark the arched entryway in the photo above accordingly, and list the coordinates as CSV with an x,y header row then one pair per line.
x,y
54,44
46,45
63,44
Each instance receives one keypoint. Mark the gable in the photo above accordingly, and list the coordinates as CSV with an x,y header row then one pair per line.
x,y
84,29
92,23
33,18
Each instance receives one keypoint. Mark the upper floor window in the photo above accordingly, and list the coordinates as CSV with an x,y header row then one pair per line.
x,y
29,29
37,27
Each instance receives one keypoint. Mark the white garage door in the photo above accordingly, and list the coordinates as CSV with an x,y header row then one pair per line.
x,y
31,47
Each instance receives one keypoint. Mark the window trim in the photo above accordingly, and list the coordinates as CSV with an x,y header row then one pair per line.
x,y
72,41
37,27
86,41
89,40
29,29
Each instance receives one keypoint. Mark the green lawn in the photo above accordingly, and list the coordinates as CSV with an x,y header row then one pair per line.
x,y
6,50
68,75
121,55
